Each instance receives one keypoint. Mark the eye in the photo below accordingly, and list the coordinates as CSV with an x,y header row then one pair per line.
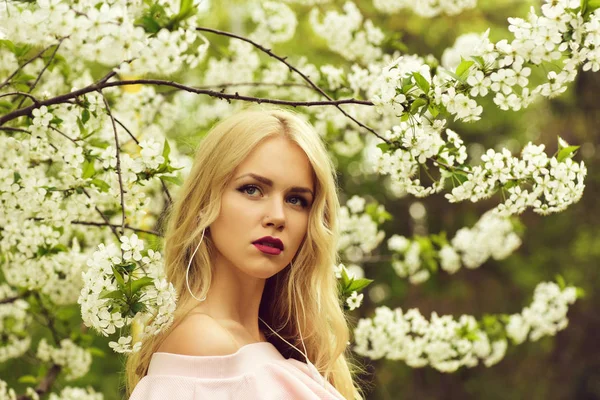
x,y
250,189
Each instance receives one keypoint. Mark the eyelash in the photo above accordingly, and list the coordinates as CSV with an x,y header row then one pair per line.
x,y
303,201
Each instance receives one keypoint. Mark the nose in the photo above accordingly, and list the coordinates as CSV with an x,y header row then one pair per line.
x,y
275,214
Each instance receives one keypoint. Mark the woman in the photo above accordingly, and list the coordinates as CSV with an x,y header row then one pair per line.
x,y
250,248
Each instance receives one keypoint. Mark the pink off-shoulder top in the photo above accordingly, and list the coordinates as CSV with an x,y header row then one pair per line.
x,y
257,371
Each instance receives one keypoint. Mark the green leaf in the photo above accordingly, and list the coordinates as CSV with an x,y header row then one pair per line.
x,y
345,280
65,313
102,186
561,282
23,78
567,152
417,104
359,284
96,351
452,74
479,61
422,83
82,129
9,45
166,151
149,24
173,179
88,169
463,67
460,176
28,379
99,143
5,104
592,5
384,147
118,277
115,294
185,8
20,51
85,116
140,283
433,110
56,121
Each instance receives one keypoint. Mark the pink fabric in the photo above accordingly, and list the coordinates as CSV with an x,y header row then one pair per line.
x,y
255,371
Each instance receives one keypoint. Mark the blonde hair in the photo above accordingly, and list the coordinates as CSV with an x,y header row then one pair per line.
x,y
311,281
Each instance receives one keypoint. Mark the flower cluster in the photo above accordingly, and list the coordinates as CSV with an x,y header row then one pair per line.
x,y
75,360
427,9
502,68
122,283
6,393
446,343
546,315
109,34
14,324
492,236
420,143
276,23
351,281
348,34
359,228
74,393
554,183
547,184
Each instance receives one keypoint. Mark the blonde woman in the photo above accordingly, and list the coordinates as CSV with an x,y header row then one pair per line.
x,y
250,247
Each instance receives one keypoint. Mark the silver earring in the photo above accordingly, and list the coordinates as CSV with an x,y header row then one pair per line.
x,y
187,272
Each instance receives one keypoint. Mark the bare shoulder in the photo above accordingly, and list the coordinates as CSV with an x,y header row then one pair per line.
x,y
199,335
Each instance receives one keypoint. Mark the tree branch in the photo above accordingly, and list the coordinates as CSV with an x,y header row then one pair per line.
x,y
102,84
112,228
42,71
90,223
164,186
63,134
35,101
46,383
294,69
38,55
112,119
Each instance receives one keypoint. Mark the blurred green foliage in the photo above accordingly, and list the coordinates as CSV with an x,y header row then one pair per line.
x,y
563,367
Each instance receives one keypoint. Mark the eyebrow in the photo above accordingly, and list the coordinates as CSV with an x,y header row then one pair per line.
x,y
268,182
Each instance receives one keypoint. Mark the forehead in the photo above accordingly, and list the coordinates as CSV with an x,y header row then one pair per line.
x,y
280,160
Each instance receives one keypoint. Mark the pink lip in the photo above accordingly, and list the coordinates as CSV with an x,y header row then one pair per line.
x,y
267,249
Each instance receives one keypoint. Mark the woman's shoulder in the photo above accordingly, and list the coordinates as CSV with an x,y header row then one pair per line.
x,y
198,335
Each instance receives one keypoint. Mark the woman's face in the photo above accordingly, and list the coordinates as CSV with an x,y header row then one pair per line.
x,y
270,194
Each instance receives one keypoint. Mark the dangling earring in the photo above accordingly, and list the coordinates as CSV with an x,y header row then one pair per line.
x,y
187,272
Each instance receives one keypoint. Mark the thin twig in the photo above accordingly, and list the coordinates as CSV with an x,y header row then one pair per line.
x,y
164,186
38,55
166,190
35,100
63,134
118,155
43,70
89,223
10,299
11,129
46,383
112,228
128,131
292,68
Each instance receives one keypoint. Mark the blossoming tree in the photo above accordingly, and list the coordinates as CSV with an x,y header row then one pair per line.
x,y
91,93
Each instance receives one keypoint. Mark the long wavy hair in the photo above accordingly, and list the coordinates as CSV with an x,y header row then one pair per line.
x,y
307,290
